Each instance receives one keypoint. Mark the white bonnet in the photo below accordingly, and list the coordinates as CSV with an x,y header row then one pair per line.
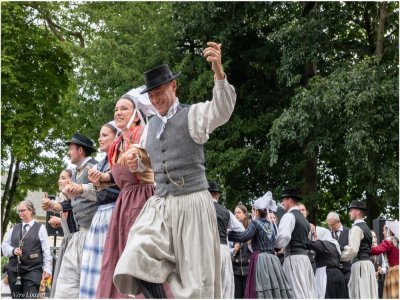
x,y
393,227
265,202
142,101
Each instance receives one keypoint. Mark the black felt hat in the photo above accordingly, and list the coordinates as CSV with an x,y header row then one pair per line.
x,y
291,193
358,204
213,187
158,76
81,140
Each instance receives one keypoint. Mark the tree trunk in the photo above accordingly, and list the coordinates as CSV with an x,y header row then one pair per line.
x,y
380,30
373,211
7,187
10,199
309,172
310,175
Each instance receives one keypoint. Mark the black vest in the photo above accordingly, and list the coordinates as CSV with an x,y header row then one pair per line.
x,y
110,194
223,218
365,244
344,241
299,240
32,253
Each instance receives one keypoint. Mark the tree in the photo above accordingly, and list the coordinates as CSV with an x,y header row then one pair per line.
x,y
340,117
35,82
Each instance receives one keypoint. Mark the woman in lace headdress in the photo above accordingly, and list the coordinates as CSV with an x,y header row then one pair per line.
x,y
136,185
390,247
265,277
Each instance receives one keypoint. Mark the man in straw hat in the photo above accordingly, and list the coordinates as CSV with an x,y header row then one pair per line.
x,y
362,282
176,235
294,233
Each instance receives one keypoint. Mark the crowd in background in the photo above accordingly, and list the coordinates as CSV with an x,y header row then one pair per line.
x,y
145,219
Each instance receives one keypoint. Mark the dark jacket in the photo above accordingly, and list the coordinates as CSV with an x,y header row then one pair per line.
x,y
240,261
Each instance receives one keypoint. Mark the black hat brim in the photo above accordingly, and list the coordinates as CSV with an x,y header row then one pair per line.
x,y
291,196
153,86
360,208
79,143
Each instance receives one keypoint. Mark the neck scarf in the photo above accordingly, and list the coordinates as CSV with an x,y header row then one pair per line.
x,y
171,112
121,144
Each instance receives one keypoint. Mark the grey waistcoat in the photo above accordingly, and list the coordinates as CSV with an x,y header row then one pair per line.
x,y
83,208
175,156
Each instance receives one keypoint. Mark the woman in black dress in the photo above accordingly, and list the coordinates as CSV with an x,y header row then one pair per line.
x,y
330,280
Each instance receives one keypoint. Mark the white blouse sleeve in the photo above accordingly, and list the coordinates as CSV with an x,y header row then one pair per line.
x,y
204,117
351,250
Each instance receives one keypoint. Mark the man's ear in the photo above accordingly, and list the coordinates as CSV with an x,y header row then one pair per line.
x,y
174,85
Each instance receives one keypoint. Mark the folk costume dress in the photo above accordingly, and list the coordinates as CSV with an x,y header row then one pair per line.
x,y
69,227
362,282
84,207
135,188
330,280
94,246
265,278
391,250
293,235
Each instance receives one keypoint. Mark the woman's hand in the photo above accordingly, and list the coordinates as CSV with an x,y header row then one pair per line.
x,y
17,251
130,159
55,222
94,177
45,203
73,190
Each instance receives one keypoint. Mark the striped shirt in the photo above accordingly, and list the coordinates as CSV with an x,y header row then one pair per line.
x,y
261,232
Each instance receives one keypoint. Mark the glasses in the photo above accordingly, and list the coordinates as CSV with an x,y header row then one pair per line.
x,y
22,210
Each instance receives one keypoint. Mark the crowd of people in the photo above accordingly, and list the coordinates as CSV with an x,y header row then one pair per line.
x,y
146,220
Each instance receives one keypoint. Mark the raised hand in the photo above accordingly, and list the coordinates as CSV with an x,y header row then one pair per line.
x,y
213,55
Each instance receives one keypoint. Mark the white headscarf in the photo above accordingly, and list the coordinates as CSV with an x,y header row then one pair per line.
x,y
325,235
393,226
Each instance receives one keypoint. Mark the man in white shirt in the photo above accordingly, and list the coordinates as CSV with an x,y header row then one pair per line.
x,y
341,234
294,231
175,238
362,284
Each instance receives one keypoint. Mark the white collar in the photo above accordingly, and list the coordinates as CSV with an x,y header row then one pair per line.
x,y
30,223
82,163
358,221
171,112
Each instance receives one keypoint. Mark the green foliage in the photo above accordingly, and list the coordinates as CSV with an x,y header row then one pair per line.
x,y
4,262
309,89
350,118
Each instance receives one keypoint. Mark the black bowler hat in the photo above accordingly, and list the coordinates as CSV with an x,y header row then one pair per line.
x,y
291,193
358,204
81,140
213,187
158,76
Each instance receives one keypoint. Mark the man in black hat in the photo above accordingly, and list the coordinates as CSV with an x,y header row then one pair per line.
x,y
362,284
84,206
294,231
179,221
